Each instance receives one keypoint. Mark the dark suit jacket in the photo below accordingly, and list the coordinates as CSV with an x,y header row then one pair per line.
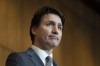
x,y
27,58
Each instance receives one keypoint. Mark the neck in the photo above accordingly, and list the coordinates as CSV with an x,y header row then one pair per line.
x,y
49,52
47,49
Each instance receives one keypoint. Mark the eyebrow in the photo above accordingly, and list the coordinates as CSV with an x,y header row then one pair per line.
x,y
54,23
59,24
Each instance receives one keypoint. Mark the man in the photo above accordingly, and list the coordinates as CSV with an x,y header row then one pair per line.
x,y
46,32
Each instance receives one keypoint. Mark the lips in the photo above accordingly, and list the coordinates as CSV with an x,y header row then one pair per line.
x,y
53,37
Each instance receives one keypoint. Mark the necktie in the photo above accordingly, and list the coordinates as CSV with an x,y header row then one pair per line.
x,y
48,61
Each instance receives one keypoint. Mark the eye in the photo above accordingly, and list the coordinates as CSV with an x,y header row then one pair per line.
x,y
48,24
60,28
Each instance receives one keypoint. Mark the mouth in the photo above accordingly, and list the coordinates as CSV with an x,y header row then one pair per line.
x,y
53,37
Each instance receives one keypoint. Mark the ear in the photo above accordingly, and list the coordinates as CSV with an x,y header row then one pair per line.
x,y
33,30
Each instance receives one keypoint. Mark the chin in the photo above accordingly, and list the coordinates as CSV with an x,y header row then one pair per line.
x,y
54,44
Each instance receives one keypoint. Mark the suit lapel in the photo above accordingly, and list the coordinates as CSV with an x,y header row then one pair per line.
x,y
34,57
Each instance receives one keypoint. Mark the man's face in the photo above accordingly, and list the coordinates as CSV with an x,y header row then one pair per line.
x,y
49,32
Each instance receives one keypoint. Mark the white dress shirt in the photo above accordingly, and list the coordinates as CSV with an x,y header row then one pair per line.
x,y
41,53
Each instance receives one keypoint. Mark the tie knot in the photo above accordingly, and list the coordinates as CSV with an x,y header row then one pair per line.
x,y
48,59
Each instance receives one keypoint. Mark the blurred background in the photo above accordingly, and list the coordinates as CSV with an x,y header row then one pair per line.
x,y
80,45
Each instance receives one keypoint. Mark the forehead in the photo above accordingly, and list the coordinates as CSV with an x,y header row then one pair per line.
x,y
51,17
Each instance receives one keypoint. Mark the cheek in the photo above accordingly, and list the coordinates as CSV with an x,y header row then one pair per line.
x,y
44,33
42,30
60,38
60,34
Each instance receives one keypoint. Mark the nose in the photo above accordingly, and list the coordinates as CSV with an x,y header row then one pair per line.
x,y
55,30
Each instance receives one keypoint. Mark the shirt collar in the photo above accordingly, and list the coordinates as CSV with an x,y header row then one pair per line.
x,y
41,53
